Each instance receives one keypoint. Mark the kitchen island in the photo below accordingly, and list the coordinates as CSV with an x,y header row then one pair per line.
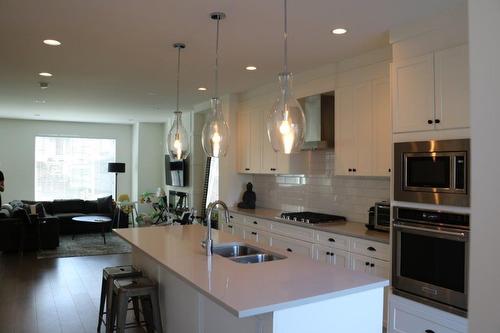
x,y
215,294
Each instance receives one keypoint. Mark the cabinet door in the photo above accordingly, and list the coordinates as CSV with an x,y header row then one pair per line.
x,y
382,134
227,228
360,263
244,160
362,110
269,156
345,144
413,94
292,245
238,230
380,268
256,141
452,88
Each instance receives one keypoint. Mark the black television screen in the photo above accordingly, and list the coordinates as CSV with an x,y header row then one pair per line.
x,y
175,172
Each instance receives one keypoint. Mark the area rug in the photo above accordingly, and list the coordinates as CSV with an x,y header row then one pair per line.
x,y
86,245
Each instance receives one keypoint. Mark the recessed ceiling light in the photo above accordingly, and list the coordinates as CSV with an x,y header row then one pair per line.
x,y
151,93
40,101
36,115
202,89
251,68
51,42
45,74
339,31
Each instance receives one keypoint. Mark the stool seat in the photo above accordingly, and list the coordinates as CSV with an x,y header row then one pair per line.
x,y
134,286
118,272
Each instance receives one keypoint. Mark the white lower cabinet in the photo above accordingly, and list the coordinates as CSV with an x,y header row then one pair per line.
x,y
292,245
407,316
257,236
331,256
370,265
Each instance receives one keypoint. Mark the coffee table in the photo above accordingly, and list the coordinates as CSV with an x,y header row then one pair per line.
x,y
102,220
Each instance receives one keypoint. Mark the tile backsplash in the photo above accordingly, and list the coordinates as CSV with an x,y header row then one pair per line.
x,y
315,188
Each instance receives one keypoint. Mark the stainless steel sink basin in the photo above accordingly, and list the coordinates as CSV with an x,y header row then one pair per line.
x,y
256,258
244,253
235,250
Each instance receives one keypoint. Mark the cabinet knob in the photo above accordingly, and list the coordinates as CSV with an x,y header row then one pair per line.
x,y
437,121
367,263
372,265
354,170
230,226
273,169
328,253
247,169
371,248
331,240
254,233
430,121
332,254
350,170
255,222
289,250
231,216
389,170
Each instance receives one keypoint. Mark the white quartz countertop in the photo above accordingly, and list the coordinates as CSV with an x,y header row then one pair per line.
x,y
347,228
245,289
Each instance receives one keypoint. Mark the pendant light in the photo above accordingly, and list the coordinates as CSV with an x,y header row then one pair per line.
x,y
286,123
215,134
178,139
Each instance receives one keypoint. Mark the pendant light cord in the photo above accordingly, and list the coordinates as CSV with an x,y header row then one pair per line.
x,y
178,76
285,37
217,61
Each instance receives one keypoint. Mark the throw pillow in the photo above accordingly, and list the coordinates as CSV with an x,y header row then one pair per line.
x,y
105,205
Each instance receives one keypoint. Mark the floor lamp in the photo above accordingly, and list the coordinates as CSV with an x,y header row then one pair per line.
x,y
116,168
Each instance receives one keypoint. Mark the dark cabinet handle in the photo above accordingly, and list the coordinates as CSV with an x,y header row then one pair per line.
x,y
289,250
367,263
430,121
354,170
328,253
254,233
372,265
389,170
371,249
247,169
230,226
437,121
350,170
332,254
429,331
255,222
273,169
231,216
331,240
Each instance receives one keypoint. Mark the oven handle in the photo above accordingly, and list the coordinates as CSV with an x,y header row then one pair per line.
x,y
437,231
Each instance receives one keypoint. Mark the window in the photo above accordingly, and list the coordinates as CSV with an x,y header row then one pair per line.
x,y
73,168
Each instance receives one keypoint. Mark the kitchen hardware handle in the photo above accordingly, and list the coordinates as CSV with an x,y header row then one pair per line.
x,y
255,222
367,263
254,233
289,250
371,248
230,226
331,240
430,121
442,232
350,170
429,331
231,216
273,169
354,170
328,253
332,254
437,121
389,170
247,169
372,265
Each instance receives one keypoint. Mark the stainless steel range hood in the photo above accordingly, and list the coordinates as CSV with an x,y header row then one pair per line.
x,y
319,111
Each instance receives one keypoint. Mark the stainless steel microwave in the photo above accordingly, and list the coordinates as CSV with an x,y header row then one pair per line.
x,y
435,172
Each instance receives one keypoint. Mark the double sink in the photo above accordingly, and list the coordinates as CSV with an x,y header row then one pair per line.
x,y
245,254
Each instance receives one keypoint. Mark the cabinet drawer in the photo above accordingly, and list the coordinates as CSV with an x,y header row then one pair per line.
x,y
304,234
234,218
333,240
370,249
330,255
405,322
258,223
292,245
257,236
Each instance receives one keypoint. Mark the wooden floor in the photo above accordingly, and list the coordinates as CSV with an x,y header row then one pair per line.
x,y
52,295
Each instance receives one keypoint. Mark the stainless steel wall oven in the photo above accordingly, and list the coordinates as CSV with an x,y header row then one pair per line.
x,y
430,260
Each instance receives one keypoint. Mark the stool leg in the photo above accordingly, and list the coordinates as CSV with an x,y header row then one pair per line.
x,y
111,315
147,312
121,313
110,296
101,306
156,311
135,302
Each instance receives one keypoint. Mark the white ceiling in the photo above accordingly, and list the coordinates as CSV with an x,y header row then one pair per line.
x,y
117,63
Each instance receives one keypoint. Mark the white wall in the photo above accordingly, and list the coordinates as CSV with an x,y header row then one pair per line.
x,y
17,151
484,305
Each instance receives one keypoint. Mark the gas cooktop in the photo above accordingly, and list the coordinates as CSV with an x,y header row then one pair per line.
x,y
311,217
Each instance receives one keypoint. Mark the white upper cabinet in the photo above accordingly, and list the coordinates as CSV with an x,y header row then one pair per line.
x,y
363,129
431,92
452,88
413,94
244,154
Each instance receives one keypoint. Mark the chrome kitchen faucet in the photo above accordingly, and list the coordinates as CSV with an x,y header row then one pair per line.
x,y
208,243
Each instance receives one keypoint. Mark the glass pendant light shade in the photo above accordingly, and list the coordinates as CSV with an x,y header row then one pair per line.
x,y
178,140
286,123
215,134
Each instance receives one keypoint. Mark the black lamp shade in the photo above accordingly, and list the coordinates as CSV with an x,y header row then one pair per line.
x,y
116,167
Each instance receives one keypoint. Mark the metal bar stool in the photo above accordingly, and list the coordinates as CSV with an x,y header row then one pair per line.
x,y
109,275
138,289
